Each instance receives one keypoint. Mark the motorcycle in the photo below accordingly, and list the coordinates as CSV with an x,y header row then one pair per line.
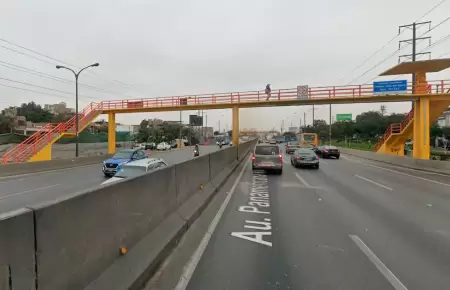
x,y
220,145
196,153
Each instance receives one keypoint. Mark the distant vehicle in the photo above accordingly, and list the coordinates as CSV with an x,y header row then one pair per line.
x,y
267,157
150,146
135,168
308,140
291,147
273,141
139,146
163,146
115,163
328,151
305,157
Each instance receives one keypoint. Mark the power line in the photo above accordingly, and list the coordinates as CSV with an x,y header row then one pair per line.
x,y
389,42
59,61
55,78
41,87
42,93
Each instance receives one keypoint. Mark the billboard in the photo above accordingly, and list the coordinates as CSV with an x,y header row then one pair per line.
x,y
195,120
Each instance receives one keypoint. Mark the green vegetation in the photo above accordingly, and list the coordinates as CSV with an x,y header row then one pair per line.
x,y
165,132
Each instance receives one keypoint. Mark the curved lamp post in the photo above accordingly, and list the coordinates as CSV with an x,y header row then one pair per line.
x,y
76,99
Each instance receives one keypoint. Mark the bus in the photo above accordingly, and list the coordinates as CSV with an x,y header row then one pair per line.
x,y
308,140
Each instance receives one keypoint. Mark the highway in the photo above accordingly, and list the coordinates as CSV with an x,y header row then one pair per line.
x,y
22,191
352,224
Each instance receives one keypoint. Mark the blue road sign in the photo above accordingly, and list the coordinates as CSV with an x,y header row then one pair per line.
x,y
390,86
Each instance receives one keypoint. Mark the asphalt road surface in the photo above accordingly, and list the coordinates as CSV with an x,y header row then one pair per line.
x,y
21,191
351,224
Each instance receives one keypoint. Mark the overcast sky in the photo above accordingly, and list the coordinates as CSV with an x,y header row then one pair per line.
x,y
164,48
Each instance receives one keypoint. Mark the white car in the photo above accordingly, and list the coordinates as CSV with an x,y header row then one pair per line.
x,y
163,146
137,167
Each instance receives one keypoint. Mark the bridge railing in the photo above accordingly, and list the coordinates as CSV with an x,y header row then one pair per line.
x,y
435,87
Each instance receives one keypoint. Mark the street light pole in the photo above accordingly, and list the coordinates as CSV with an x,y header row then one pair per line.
x,y
76,74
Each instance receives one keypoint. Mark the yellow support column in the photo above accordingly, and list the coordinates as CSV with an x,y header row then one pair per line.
x,y
235,131
417,148
422,124
111,133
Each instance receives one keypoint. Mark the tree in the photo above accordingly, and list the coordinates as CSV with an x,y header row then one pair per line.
x,y
34,113
289,134
230,132
6,124
216,133
435,131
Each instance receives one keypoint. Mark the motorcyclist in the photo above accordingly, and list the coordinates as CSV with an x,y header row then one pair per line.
x,y
196,150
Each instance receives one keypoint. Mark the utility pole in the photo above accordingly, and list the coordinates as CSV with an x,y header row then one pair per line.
x,y
329,133
313,115
413,42
304,119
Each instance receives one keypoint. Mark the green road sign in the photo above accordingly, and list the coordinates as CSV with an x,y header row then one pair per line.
x,y
343,117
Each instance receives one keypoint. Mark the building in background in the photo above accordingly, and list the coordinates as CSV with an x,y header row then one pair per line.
x,y
294,129
444,119
208,132
59,109
129,129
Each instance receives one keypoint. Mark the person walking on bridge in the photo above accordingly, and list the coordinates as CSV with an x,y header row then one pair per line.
x,y
268,91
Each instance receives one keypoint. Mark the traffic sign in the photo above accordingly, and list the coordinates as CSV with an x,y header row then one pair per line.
x,y
390,87
302,92
343,117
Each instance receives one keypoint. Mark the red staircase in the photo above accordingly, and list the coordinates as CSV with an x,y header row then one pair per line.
x,y
49,134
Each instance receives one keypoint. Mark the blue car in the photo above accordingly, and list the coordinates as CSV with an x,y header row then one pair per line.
x,y
113,164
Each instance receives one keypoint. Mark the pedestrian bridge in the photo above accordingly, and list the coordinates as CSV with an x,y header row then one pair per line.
x,y
431,98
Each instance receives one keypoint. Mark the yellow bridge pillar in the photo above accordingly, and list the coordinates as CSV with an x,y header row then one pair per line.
x,y
235,131
421,136
111,133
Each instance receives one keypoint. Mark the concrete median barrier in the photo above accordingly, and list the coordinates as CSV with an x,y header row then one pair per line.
x,y
80,237
17,255
190,176
32,167
75,243
403,161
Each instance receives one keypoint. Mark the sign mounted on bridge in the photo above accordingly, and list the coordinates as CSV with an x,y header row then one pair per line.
x,y
343,117
302,92
390,87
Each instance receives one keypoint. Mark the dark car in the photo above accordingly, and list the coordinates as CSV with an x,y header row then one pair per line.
x,y
328,151
305,157
115,163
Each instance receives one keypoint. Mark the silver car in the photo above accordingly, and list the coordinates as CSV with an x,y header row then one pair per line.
x,y
267,157
136,168
305,157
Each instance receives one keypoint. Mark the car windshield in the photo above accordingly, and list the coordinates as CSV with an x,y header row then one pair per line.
x,y
309,138
267,150
130,171
329,147
304,152
123,155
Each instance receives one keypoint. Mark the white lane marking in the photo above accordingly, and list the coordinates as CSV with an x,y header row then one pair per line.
x,y
27,191
302,180
395,282
321,161
373,182
391,170
189,269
